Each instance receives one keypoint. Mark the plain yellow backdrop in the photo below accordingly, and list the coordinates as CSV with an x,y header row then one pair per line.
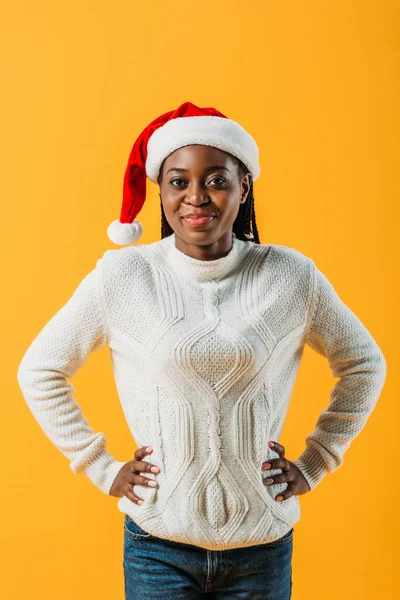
x,y
317,84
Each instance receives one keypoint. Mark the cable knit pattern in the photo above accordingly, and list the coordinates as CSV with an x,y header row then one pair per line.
x,y
205,356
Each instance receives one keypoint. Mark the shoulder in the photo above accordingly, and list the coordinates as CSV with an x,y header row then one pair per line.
x,y
286,259
288,254
127,259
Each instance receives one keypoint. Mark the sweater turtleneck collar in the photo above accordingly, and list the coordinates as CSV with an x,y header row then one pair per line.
x,y
204,270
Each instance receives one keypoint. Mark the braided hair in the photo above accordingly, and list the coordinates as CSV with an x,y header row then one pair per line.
x,y
245,222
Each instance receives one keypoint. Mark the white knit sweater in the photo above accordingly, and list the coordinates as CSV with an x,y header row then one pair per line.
x,y
205,356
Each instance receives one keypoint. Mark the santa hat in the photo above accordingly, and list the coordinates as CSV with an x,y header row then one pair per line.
x,y
188,124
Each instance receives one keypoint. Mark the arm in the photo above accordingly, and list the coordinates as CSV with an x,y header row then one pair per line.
x,y
57,352
336,333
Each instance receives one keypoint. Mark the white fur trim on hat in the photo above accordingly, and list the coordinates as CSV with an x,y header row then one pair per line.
x,y
124,233
206,130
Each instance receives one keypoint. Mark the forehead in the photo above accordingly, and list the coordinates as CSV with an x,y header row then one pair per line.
x,y
197,154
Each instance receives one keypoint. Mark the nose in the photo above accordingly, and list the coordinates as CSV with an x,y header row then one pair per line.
x,y
196,193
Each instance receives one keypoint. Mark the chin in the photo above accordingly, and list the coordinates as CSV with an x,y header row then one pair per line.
x,y
197,238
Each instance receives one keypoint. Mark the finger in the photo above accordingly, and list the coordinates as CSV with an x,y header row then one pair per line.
x,y
141,452
278,448
276,463
129,493
140,480
279,478
288,493
143,465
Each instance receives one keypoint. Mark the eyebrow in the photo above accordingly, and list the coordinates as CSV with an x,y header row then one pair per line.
x,y
206,170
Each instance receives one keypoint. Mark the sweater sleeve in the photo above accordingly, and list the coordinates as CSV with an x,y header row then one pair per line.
x,y
57,352
336,333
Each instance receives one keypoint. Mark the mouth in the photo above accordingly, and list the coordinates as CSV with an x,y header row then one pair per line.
x,y
198,221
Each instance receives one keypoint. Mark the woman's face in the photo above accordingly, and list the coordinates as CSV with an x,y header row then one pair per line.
x,y
203,180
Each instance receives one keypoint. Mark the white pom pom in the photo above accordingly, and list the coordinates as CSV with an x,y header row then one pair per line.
x,y
124,233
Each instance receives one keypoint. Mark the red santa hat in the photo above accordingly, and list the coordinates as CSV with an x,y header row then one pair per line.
x,y
188,124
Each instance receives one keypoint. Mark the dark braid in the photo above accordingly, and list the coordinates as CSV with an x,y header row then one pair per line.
x,y
245,221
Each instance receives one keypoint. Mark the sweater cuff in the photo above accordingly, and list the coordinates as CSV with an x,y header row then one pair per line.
x,y
312,466
103,470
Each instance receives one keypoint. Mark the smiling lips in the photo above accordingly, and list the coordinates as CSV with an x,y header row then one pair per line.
x,y
197,220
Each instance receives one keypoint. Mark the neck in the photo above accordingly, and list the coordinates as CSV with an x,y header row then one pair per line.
x,y
212,251
204,270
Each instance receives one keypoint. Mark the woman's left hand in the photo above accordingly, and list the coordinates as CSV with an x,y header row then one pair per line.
x,y
291,474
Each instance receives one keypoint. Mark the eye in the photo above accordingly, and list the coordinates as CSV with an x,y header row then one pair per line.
x,y
177,179
220,178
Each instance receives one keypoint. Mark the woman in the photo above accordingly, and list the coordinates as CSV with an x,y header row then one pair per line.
x,y
206,329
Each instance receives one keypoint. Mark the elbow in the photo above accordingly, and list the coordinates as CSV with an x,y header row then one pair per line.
x,y
368,364
21,373
22,376
382,366
26,374
378,367
379,360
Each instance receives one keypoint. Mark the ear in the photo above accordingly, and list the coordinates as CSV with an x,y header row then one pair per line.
x,y
245,187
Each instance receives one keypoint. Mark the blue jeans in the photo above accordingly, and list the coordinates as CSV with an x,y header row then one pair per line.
x,y
156,568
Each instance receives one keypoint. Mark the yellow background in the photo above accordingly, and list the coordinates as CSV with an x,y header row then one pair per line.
x,y
317,85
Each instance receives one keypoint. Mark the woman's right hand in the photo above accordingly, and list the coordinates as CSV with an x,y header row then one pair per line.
x,y
129,476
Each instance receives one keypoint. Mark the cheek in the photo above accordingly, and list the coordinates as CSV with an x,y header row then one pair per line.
x,y
227,203
171,210
170,201
230,208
